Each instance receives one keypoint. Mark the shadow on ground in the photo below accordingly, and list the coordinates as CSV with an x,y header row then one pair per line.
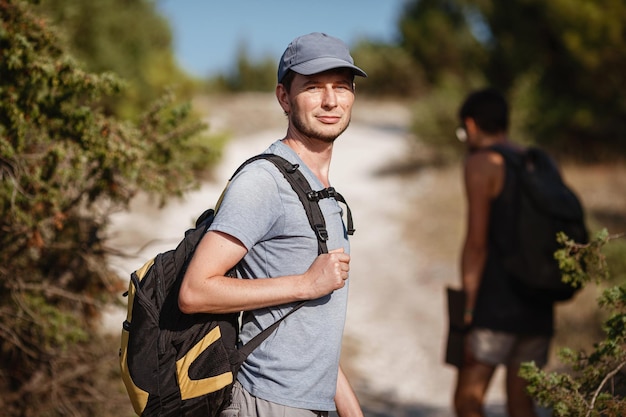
x,y
416,410
381,408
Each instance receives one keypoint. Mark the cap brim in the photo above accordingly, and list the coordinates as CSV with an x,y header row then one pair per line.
x,y
318,65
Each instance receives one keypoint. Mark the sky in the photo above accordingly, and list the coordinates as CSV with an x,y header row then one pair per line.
x,y
209,33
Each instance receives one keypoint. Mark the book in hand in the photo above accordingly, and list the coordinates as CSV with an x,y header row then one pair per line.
x,y
456,327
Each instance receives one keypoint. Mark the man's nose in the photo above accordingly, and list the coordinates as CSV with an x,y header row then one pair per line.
x,y
330,97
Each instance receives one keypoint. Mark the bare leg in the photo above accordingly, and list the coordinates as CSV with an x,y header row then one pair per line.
x,y
519,403
472,383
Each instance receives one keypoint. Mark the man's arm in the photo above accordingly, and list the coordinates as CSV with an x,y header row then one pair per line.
x,y
345,399
484,173
206,289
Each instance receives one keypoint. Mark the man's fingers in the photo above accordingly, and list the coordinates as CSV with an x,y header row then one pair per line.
x,y
340,255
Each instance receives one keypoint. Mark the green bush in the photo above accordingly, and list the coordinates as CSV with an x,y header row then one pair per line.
x,y
66,164
595,384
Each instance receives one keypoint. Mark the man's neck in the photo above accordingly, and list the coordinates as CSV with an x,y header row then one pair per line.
x,y
487,140
315,154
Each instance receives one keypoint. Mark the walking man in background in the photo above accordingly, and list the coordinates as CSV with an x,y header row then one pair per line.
x,y
262,224
505,329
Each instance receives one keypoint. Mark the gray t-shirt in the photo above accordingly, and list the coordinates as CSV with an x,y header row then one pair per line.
x,y
297,364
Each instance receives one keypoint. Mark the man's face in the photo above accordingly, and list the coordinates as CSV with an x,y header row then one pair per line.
x,y
320,105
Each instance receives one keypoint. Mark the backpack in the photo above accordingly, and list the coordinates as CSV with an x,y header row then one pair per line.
x,y
546,206
176,364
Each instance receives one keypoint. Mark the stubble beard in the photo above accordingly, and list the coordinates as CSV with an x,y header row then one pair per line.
x,y
300,125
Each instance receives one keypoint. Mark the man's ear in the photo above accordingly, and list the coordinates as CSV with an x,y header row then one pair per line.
x,y
283,98
470,126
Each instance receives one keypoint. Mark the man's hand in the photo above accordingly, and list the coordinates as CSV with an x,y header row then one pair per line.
x,y
326,274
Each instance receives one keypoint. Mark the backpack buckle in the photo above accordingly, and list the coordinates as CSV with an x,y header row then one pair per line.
x,y
321,232
313,196
321,194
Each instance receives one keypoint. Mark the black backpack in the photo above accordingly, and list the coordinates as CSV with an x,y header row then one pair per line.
x,y
546,206
176,364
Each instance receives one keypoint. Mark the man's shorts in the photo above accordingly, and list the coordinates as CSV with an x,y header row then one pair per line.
x,y
243,404
499,348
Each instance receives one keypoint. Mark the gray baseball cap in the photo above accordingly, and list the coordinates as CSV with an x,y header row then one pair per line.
x,y
315,53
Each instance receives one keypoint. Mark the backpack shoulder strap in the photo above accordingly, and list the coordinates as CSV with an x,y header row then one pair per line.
x,y
533,162
310,201
540,160
302,188
307,196
511,156
256,341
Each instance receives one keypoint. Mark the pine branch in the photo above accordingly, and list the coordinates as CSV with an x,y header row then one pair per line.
x,y
608,377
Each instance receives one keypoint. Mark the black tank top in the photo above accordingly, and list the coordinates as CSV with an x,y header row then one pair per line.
x,y
498,306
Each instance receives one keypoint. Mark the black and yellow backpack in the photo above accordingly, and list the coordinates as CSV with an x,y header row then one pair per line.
x,y
176,364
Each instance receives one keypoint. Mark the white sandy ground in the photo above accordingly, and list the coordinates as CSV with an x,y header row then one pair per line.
x,y
395,330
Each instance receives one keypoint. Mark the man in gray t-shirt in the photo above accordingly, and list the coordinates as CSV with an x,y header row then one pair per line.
x,y
262,226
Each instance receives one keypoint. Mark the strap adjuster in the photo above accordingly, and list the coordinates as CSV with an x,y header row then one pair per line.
x,y
321,194
321,232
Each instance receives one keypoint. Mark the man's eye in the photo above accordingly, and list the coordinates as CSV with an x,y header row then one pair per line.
x,y
343,88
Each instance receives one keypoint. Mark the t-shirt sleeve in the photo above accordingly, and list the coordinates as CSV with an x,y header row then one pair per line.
x,y
251,208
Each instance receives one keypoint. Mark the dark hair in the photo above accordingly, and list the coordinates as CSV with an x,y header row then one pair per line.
x,y
287,80
489,110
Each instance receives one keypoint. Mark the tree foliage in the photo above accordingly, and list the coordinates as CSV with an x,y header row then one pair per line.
x,y
249,75
596,384
436,33
126,37
65,164
578,51
391,71
573,51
